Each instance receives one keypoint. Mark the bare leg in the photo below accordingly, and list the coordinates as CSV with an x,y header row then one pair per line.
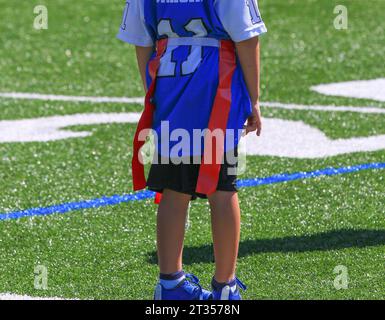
x,y
171,221
225,220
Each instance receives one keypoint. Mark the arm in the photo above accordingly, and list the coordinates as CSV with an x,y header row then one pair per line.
x,y
143,55
249,57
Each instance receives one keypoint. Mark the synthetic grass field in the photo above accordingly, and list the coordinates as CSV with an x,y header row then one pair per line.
x,y
293,233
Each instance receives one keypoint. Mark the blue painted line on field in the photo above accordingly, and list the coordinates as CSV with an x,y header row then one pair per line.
x,y
244,183
306,175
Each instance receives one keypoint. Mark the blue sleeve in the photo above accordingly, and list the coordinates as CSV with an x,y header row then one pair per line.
x,y
133,29
240,18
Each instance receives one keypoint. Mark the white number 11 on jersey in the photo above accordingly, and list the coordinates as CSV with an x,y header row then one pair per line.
x,y
168,67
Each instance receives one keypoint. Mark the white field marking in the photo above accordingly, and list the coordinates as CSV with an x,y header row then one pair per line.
x,y
281,138
295,139
363,89
10,296
292,106
50,128
53,97
140,100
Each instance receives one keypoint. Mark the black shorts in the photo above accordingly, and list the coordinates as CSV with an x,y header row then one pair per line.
x,y
183,177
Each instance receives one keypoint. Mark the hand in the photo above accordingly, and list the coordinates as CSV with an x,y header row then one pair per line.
x,y
254,122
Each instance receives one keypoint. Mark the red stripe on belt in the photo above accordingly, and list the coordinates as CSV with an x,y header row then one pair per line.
x,y
209,170
214,147
145,122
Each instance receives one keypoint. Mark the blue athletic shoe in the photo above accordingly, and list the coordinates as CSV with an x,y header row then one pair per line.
x,y
188,289
230,291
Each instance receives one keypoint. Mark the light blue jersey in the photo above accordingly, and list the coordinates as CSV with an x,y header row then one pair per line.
x,y
188,77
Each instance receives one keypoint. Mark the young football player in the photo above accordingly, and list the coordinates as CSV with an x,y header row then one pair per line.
x,y
199,62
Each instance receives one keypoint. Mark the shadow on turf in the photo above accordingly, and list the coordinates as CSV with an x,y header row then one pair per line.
x,y
332,240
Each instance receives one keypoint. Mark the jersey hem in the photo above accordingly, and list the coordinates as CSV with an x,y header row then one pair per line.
x,y
248,34
134,40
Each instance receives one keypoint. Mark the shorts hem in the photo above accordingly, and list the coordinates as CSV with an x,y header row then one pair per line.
x,y
194,195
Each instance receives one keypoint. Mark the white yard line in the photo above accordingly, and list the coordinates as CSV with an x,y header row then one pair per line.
x,y
140,100
10,296
54,97
290,106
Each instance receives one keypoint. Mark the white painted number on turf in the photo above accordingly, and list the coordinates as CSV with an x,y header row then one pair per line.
x,y
361,89
281,138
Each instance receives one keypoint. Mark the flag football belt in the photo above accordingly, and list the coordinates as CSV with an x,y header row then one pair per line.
x,y
209,169
194,41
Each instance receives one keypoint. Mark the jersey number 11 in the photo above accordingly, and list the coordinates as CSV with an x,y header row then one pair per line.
x,y
168,67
